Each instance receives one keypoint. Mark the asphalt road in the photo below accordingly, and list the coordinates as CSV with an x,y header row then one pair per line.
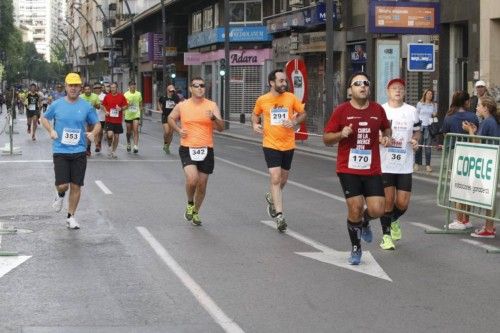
x,y
137,266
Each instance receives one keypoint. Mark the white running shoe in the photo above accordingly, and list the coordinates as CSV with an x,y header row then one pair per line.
x,y
71,223
457,225
58,203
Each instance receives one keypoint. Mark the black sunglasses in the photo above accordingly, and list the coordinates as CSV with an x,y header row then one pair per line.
x,y
360,83
200,85
171,91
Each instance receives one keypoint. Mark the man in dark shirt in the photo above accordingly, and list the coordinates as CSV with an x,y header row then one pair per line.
x,y
33,114
165,105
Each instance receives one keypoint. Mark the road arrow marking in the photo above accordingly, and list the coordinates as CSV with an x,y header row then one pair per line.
x,y
9,263
328,255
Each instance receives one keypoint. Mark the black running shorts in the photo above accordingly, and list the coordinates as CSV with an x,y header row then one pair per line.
x,y
115,128
130,121
164,116
402,182
30,114
205,166
70,168
277,158
367,186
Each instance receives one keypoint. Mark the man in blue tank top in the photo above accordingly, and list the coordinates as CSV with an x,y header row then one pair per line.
x,y
71,115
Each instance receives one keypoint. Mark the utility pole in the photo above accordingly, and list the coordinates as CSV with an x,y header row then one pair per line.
x,y
164,44
329,86
227,77
132,53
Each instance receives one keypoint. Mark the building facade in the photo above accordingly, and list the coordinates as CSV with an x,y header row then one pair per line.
x,y
43,18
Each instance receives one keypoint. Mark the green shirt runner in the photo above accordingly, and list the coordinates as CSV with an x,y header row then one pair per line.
x,y
134,105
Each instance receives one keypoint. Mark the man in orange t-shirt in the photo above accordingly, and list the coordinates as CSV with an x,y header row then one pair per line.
x,y
198,117
280,111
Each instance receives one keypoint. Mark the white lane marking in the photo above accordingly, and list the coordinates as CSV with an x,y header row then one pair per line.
x,y
103,187
328,255
93,160
480,244
9,263
425,226
227,324
302,186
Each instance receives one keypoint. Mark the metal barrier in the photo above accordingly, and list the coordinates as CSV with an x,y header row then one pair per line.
x,y
468,178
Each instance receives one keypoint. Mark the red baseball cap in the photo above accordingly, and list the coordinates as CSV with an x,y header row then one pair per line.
x,y
397,80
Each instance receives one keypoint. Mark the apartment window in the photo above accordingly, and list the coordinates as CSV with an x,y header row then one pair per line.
x,y
208,18
216,15
196,25
242,12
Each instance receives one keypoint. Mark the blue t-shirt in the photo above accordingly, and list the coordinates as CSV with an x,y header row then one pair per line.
x,y
489,127
70,120
453,123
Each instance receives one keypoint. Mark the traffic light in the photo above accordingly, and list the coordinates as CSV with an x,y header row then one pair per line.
x,y
222,67
171,70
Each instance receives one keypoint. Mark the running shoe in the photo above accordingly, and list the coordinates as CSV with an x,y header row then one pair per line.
x,y
196,219
483,233
367,234
281,223
396,230
355,257
387,243
166,149
428,168
188,214
271,211
58,203
136,149
457,225
129,147
98,148
71,223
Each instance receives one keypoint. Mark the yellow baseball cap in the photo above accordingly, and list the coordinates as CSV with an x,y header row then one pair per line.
x,y
73,78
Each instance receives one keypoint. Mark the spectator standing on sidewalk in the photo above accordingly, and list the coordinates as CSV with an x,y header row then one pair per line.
x,y
427,109
490,126
455,117
481,91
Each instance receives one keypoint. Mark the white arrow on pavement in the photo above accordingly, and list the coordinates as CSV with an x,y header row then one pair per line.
x,y
328,255
9,263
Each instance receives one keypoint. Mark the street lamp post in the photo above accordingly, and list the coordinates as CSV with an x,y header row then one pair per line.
x,y
132,54
70,45
164,32
108,34
83,46
93,33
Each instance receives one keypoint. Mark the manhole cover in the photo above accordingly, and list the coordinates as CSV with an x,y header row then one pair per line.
x,y
23,218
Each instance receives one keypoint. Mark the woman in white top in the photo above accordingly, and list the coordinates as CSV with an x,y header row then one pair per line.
x,y
426,109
